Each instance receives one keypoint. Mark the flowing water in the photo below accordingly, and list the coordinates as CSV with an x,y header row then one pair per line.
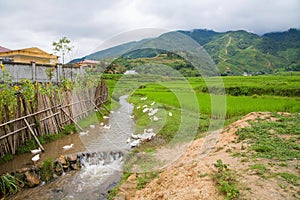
x,y
101,168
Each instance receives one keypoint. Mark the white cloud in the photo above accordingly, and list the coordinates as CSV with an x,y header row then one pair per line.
x,y
88,23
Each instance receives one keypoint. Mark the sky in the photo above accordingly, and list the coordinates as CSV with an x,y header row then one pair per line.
x,y
89,23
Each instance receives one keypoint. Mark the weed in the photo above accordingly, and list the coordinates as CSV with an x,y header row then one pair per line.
x,y
145,178
290,177
259,168
6,158
47,170
114,191
67,129
281,144
9,185
226,180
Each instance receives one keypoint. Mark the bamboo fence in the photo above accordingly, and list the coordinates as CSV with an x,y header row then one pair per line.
x,y
48,116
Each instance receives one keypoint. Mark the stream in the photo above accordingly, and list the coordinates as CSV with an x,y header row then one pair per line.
x,y
101,170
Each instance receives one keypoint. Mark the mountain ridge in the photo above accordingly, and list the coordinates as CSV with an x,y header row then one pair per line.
x,y
234,52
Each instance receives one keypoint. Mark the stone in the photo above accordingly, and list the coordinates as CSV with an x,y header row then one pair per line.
x,y
71,158
32,179
74,166
62,160
23,170
132,177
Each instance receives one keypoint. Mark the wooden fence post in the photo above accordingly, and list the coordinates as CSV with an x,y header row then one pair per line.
x,y
71,119
36,139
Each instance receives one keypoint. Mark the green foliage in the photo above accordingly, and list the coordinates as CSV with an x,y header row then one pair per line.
x,y
145,178
9,185
63,46
113,192
47,170
6,158
225,179
234,53
29,145
67,129
259,168
290,178
281,143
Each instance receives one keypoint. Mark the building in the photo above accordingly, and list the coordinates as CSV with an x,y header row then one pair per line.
x,y
130,72
3,49
88,63
28,55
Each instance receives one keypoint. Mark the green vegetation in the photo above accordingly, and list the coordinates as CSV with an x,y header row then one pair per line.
x,y
259,168
47,170
145,178
114,191
290,178
234,52
31,144
225,179
9,185
274,139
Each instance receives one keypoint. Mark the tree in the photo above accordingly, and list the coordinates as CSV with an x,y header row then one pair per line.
x,y
63,46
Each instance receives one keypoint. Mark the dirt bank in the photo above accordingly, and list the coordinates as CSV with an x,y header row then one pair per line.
x,y
190,176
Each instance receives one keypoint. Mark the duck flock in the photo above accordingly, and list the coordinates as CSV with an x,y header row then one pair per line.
x,y
134,140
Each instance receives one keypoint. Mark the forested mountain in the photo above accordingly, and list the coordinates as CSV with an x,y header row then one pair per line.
x,y
234,52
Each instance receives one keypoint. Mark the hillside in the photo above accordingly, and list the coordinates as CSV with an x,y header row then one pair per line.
x,y
234,52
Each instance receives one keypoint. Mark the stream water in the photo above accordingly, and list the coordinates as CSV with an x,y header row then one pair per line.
x,y
101,171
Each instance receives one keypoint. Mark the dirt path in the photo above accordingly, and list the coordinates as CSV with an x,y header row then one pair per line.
x,y
189,177
227,44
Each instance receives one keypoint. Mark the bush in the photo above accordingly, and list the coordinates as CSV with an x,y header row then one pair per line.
x,y
9,185
47,170
225,180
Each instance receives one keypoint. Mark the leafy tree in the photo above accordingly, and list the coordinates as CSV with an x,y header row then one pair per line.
x,y
63,46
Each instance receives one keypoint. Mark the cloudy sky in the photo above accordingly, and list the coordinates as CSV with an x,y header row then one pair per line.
x,y
88,23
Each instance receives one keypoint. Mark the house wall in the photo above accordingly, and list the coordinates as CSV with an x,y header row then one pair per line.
x,y
37,72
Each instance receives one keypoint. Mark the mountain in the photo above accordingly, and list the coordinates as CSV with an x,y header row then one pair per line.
x,y
234,52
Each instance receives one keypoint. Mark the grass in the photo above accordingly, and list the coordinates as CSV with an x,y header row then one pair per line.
x,y
114,191
47,170
290,178
186,100
145,178
281,143
259,168
31,144
225,179
9,185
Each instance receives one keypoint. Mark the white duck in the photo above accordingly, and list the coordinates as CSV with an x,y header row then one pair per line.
x,y
105,117
83,133
170,114
36,151
67,147
92,126
106,126
101,124
131,116
35,158
155,118
138,107
152,104
143,98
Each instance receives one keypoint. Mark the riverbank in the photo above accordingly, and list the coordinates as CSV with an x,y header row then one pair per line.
x,y
100,160
235,167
